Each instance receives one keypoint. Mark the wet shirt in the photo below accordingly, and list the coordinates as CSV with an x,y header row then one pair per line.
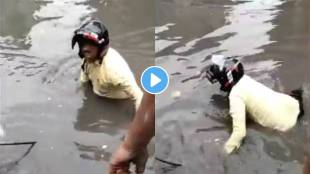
x,y
112,78
265,106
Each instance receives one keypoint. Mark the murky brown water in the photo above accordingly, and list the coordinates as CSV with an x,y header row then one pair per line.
x,y
271,37
41,99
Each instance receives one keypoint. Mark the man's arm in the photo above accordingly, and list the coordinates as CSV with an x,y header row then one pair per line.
x,y
142,128
307,164
134,91
237,112
133,149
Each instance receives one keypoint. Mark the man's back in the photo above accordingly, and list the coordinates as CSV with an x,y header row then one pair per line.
x,y
265,106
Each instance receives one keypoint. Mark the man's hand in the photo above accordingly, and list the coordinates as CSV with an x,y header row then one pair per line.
x,y
231,147
124,156
133,149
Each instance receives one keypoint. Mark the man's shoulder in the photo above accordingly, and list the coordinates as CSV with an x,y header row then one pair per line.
x,y
114,58
113,52
238,89
244,82
115,63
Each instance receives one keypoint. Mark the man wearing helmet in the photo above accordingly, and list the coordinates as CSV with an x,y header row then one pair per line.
x,y
103,66
265,106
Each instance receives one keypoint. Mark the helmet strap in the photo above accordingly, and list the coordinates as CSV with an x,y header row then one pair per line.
x,y
102,52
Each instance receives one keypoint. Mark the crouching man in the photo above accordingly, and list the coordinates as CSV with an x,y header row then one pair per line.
x,y
264,105
103,66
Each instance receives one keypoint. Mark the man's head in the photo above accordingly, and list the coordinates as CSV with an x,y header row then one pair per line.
x,y
92,38
225,71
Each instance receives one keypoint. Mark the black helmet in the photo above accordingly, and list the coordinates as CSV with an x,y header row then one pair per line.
x,y
226,72
93,31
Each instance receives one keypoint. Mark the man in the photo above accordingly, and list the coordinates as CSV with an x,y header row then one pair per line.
x,y
265,106
103,66
133,149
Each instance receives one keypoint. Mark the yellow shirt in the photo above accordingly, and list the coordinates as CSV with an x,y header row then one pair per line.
x,y
265,106
112,78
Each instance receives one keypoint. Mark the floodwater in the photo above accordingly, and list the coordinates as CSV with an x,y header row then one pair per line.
x,y
41,98
271,38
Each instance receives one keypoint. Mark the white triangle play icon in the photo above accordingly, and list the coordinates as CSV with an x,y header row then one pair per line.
x,y
154,80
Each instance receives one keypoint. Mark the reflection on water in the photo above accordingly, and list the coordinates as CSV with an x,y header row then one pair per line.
x,y
56,21
192,128
16,18
93,152
257,14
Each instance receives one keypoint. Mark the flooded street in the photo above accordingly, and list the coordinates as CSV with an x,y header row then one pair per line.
x,y
41,99
58,126
271,38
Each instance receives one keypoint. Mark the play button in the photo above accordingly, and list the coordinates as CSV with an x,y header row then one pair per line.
x,y
154,80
